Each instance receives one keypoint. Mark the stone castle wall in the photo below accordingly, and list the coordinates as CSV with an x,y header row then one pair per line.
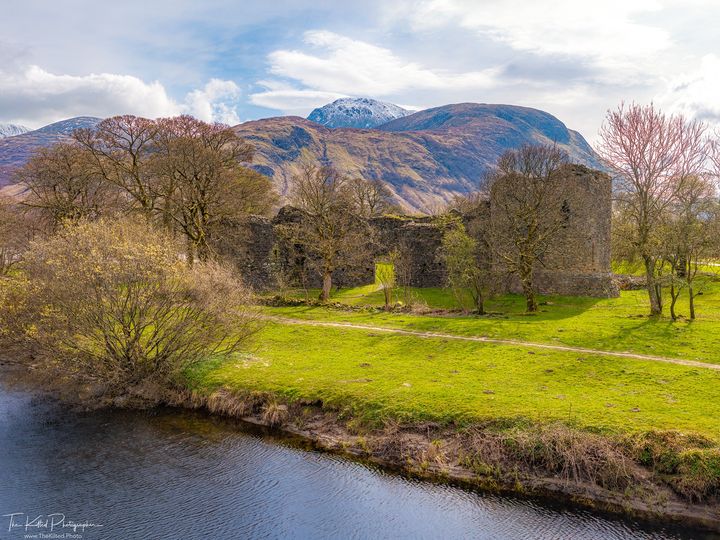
x,y
579,265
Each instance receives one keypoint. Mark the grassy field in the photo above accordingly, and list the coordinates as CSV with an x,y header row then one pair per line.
x,y
563,405
380,376
614,324
376,376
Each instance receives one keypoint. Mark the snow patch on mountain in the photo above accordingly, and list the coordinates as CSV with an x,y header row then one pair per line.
x,y
10,130
66,127
361,113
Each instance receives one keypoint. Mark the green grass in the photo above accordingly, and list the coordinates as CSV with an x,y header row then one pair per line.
x,y
372,295
390,376
375,376
614,324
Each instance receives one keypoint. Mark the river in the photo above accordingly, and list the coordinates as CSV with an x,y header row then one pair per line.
x,y
171,474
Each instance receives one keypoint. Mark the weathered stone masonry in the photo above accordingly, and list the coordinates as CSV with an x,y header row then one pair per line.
x,y
579,264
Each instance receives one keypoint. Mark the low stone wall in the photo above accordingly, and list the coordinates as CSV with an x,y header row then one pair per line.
x,y
598,285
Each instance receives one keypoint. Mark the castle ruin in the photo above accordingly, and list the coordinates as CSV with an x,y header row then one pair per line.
x,y
577,265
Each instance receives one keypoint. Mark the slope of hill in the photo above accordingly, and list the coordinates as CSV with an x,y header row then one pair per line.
x,y
425,158
9,130
16,150
509,126
362,113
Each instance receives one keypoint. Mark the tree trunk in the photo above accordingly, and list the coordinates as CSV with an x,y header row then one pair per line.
x,y
476,292
528,286
691,293
326,286
530,301
673,299
480,303
167,216
203,251
529,292
682,267
652,287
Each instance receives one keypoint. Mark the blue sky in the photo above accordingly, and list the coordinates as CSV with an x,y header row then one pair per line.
x,y
233,61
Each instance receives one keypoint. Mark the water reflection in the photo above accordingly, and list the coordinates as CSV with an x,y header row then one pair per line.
x,y
176,475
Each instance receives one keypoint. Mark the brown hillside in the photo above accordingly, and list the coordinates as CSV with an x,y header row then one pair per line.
x,y
424,158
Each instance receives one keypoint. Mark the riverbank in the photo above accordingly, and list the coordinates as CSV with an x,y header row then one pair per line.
x,y
509,404
644,476
546,461
184,465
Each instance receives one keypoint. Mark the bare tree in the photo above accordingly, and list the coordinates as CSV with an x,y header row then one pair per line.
x,y
713,154
403,271
370,197
529,205
385,276
15,233
690,236
199,166
109,302
63,186
120,150
652,156
466,271
331,233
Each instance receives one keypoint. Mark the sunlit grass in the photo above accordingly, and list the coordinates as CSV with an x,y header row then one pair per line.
x,y
377,375
380,376
613,324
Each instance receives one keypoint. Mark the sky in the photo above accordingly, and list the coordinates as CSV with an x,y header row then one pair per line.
x,y
232,61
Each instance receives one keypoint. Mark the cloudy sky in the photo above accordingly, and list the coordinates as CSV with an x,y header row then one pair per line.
x,y
233,61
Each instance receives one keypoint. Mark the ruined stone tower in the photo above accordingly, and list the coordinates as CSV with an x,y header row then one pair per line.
x,y
578,263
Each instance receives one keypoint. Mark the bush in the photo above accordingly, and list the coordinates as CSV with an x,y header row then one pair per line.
x,y
111,302
573,455
689,464
699,478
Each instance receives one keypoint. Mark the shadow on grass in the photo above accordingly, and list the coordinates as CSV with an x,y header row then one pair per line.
x,y
508,306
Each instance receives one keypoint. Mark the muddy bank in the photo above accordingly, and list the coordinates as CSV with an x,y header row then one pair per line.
x,y
626,477
551,462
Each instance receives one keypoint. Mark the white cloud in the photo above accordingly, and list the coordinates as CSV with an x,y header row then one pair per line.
x,y
344,66
33,96
695,94
605,32
216,102
291,100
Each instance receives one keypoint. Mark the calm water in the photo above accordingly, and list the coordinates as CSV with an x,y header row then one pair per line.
x,y
176,475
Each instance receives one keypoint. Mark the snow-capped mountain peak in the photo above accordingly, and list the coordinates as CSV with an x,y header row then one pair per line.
x,y
363,113
10,130
66,127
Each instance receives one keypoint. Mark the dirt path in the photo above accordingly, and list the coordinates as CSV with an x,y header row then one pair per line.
x,y
497,341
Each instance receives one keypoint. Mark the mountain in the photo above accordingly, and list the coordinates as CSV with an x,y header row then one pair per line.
x,y
509,126
8,130
361,113
424,158
66,127
17,149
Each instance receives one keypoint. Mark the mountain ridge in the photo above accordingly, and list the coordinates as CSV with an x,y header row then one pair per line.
x,y
10,130
425,158
16,150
